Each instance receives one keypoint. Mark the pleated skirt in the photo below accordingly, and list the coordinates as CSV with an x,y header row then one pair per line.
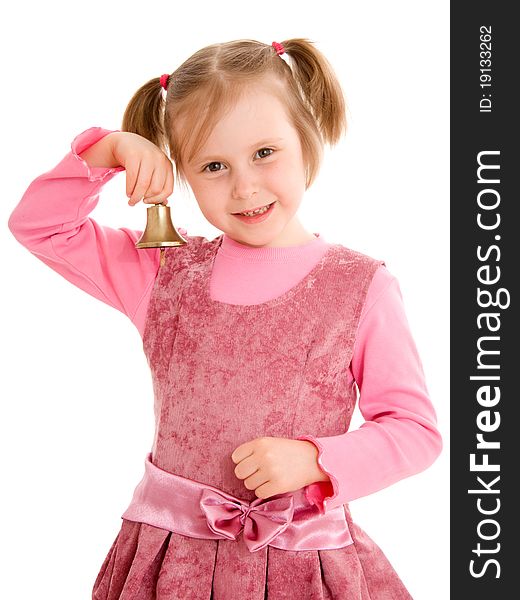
x,y
148,563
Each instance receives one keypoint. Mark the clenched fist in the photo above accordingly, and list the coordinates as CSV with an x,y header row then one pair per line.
x,y
273,466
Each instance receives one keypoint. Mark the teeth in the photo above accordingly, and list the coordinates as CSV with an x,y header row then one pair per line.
x,y
256,212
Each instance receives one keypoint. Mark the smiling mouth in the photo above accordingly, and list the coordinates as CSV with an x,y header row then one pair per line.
x,y
253,209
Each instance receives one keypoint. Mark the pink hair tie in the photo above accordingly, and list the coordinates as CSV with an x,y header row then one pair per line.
x,y
164,80
279,48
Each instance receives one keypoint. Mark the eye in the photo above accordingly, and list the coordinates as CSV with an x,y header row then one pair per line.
x,y
208,168
262,149
212,170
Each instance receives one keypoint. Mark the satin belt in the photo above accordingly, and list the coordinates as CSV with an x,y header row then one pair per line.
x,y
286,521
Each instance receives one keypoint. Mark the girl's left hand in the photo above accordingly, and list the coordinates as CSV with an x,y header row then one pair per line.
x,y
273,466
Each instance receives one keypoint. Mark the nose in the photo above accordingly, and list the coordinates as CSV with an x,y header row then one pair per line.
x,y
245,184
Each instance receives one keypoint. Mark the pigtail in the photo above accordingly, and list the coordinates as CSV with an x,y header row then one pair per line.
x,y
144,114
319,87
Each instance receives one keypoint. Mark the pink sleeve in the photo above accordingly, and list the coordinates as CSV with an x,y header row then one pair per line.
x,y
399,437
51,221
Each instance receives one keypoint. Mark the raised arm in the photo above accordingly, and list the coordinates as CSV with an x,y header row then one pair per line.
x,y
51,221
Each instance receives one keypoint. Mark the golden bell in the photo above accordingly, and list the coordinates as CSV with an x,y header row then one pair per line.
x,y
159,231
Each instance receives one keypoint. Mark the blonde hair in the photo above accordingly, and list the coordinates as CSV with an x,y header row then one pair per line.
x,y
208,84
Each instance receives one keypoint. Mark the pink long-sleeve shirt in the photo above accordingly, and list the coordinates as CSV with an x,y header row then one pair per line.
x,y
399,437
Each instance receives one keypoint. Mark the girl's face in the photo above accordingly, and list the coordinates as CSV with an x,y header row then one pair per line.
x,y
252,158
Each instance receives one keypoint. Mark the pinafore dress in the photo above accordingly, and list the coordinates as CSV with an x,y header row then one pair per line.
x,y
226,374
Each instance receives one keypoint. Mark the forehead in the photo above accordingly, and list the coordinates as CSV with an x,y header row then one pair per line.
x,y
256,114
241,110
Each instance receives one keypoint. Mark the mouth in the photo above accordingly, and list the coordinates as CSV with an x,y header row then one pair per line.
x,y
256,218
265,206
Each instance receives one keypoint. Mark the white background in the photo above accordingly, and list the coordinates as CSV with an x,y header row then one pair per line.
x,y
77,417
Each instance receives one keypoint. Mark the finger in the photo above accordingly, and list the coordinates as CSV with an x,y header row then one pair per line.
x,y
241,452
168,186
255,481
155,193
142,183
132,174
267,490
168,183
246,467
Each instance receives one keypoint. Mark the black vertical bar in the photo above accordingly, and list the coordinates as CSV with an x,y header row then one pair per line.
x,y
485,268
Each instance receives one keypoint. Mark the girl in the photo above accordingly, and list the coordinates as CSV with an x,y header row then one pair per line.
x,y
258,341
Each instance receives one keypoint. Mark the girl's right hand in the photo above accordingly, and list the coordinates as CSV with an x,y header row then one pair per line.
x,y
149,172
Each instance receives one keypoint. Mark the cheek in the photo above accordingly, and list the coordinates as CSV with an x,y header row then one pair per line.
x,y
203,192
279,175
289,183
290,172
210,198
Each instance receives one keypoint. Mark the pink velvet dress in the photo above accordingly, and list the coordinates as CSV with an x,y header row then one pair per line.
x,y
225,373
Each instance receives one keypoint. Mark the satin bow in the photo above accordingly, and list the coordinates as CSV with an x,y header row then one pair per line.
x,y
261,520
